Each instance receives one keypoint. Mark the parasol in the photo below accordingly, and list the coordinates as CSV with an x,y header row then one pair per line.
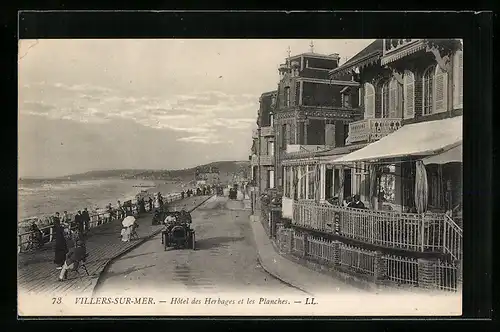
x,y
128,221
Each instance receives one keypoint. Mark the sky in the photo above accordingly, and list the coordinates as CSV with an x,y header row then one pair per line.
x,y
146,104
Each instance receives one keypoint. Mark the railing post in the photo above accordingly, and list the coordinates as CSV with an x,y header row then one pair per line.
x,y
445,226
422,233
380,267
336,253
290,237
427,275
304,241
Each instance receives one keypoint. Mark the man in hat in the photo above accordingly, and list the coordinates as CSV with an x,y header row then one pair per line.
x,y
73,258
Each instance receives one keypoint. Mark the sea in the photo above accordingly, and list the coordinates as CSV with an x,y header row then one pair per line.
x,y
39,198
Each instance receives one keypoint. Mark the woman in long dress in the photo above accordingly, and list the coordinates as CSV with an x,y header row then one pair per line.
x,y
61,247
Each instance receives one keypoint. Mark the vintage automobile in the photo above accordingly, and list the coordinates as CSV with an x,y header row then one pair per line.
x,y
178,233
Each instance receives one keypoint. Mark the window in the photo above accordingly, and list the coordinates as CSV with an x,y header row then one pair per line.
x,y
394,99
387,188
271,179
346,100
285,180
428,91
361,183
369,100
385,100
409,95
284,135
458,79
440,90
311,176
270,148
303,182
287,96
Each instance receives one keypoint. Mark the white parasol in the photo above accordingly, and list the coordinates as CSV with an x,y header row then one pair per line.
x,y
128,221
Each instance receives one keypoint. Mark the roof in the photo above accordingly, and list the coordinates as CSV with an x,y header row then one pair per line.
x,y
367,56
334,56
420,139
269,93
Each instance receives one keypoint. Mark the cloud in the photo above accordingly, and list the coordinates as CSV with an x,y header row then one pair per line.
x,y
208,117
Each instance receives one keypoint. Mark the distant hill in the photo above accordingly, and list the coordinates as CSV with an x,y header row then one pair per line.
x,y
226,171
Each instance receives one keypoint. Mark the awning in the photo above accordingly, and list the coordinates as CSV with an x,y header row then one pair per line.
x,y
453,155
419,139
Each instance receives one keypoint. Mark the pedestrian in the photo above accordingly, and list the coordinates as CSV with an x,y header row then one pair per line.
x,y
150,201
79,221
86,219
73,258
61,247
121,213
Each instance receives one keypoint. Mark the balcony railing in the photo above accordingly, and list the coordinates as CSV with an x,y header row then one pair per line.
x,y
264,131
370,130
265,160
267,131
299,148
392,229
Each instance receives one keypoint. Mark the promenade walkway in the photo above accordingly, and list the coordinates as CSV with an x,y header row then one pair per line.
x,y
37,273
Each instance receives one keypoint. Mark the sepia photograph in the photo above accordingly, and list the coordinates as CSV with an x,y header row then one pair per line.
x,y
240,177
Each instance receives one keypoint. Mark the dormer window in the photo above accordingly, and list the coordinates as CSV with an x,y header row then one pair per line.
x,y
346,97
287,96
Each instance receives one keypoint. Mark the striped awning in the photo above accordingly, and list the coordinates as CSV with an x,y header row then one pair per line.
x,y
366,61
401,53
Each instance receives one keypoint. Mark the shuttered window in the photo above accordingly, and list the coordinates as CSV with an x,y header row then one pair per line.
x,y
458,79
385,100
393,98
369,101
440,90
409,95
428,91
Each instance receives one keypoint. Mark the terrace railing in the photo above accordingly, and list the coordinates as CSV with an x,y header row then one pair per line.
x,y
392,229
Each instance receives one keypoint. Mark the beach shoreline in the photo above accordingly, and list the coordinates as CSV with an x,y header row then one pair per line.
x,y
44,199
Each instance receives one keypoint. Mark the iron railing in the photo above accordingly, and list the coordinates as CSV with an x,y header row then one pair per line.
x,y
25,239
434,232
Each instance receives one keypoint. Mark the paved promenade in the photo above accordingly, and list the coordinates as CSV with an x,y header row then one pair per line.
x,y
225,260
37,273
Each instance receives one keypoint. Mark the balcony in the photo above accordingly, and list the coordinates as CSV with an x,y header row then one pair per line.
x,y
371,130
265,160
264,132
297,148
